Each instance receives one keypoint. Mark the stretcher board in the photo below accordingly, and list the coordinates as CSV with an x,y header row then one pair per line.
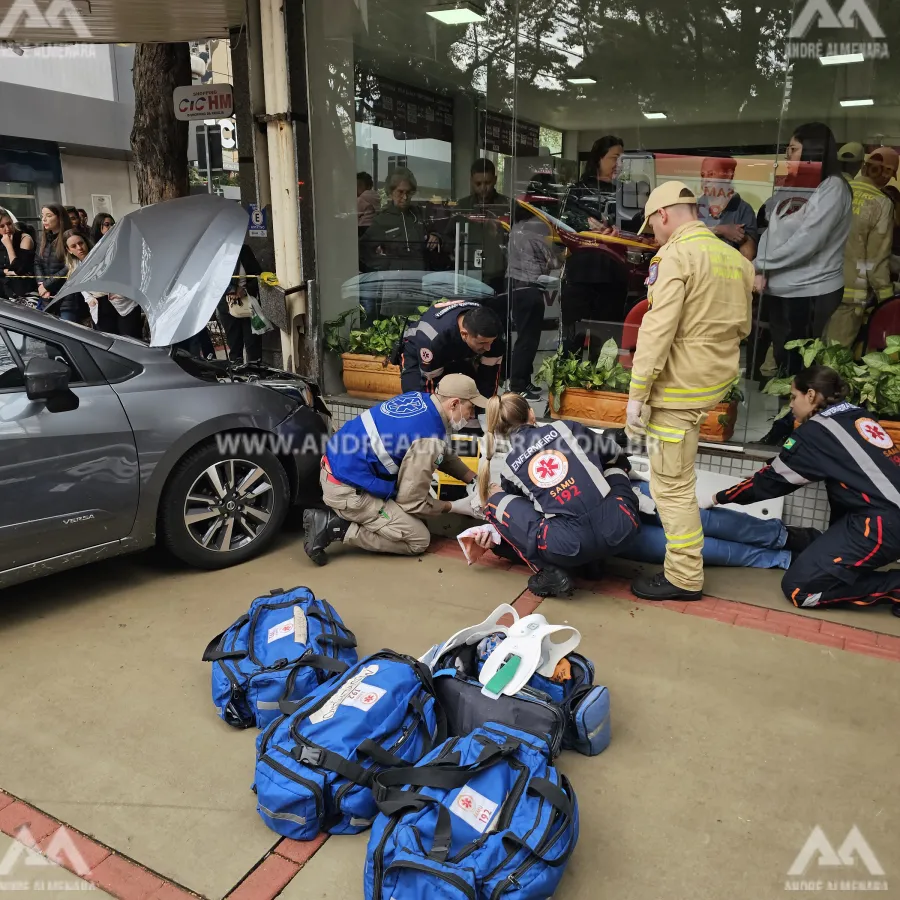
x,y
709,483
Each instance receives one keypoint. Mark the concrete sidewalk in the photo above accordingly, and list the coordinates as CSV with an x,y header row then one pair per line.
x,y
729,745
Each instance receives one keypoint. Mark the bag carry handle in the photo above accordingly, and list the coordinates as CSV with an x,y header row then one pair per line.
x,y
558,798
326,663
211,653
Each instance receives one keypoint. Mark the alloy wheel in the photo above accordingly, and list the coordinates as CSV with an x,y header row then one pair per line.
x,y
229,505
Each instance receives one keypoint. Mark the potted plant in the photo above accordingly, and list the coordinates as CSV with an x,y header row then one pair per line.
x,y
597,393
873,381
591,393
365,354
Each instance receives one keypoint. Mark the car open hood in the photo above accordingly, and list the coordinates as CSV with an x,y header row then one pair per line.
x,y
174,259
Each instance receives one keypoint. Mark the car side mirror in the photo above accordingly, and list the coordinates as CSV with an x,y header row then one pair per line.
x,y
48,379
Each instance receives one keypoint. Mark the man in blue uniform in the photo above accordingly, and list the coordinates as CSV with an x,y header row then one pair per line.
x,y
842,445
377,471
453,336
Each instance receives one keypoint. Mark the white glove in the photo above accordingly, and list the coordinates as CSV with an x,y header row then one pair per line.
x,y
708,503
465,507
633,413
645,503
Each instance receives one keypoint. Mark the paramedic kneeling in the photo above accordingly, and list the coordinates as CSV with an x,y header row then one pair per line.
x,y
377,470
563,501
842,445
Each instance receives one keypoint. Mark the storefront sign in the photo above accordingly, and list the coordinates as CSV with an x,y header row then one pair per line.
x,y
411,113
497,130
823,19
203,101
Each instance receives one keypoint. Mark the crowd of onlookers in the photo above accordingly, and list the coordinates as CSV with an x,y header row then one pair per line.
x,y
34,264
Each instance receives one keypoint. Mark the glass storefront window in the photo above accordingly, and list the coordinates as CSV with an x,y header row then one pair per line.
x,y
492,154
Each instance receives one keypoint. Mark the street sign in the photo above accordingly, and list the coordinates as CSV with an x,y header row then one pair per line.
x,y
203,101
258,227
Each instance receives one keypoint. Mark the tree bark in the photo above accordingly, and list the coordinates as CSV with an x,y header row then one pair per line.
x,y
159,142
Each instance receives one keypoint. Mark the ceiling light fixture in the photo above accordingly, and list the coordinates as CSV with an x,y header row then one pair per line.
x,y
462,13
868,101
841,59
655,115
582,80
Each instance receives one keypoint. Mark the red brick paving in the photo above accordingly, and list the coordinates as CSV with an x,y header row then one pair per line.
x,y
266,881
18,815
172,892
730,612
5,800
91,852
124,879
300,852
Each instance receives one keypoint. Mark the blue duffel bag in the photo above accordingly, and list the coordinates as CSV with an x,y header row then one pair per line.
x,y
485,816
574,715
314,766
285,646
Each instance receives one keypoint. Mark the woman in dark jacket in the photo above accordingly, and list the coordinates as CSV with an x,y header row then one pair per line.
x,y
100,226
594,287
16,259
51,267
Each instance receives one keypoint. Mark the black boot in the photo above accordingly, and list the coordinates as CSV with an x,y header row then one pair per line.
x,y
550,582
799,538
322,527
658,587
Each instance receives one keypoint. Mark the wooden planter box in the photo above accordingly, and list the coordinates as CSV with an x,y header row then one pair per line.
x,y
892,428
370,377
606,409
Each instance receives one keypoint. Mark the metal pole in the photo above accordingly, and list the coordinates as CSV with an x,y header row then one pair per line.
x,y
209,189
456,266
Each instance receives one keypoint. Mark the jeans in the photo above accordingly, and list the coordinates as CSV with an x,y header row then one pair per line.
x,y
69,315
731,538
527,320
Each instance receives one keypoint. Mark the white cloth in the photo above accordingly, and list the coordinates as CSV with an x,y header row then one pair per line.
x,y
645,503
122,305
472,551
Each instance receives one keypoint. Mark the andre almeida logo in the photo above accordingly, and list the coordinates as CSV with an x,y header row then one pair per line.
x,y
820,866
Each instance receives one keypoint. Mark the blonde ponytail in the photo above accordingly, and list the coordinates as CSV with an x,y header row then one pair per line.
x,y
503,414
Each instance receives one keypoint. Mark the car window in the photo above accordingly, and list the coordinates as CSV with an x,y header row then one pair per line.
x,y
28,347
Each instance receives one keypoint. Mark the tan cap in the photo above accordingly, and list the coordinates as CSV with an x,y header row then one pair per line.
x,y
852,152
461,387
887,156
668,194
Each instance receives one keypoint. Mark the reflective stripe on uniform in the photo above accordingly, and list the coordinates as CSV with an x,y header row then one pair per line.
x,y
716,391
786,472
664,433
501,506
377,443
427,329
596,475
685,540
869,469
640,381
697,237
507,472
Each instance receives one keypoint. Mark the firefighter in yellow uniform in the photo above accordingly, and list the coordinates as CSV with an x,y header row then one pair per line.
x,y
687,359
867,273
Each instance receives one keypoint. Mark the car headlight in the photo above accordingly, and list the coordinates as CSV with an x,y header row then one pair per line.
x,y
299,391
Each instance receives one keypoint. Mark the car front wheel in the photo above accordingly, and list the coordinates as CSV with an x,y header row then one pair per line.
x,y
222,510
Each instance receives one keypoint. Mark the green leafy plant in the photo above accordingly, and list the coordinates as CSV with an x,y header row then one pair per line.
x,y
378,339
873,382
560,371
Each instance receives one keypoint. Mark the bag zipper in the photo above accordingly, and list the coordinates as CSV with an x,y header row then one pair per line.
x,y
404,737
513,879
252,630
393,822
537,748
450,877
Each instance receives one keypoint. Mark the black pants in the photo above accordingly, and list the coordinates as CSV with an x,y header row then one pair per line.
x,y
239,336
602,303
795,318
839,567
110,321
527,320
411,375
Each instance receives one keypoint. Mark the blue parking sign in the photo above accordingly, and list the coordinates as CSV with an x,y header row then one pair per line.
x,y
258,227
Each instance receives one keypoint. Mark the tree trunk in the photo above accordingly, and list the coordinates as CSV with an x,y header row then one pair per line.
x,y
159,141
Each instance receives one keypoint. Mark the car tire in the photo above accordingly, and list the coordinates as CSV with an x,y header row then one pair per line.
x,y
210,498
